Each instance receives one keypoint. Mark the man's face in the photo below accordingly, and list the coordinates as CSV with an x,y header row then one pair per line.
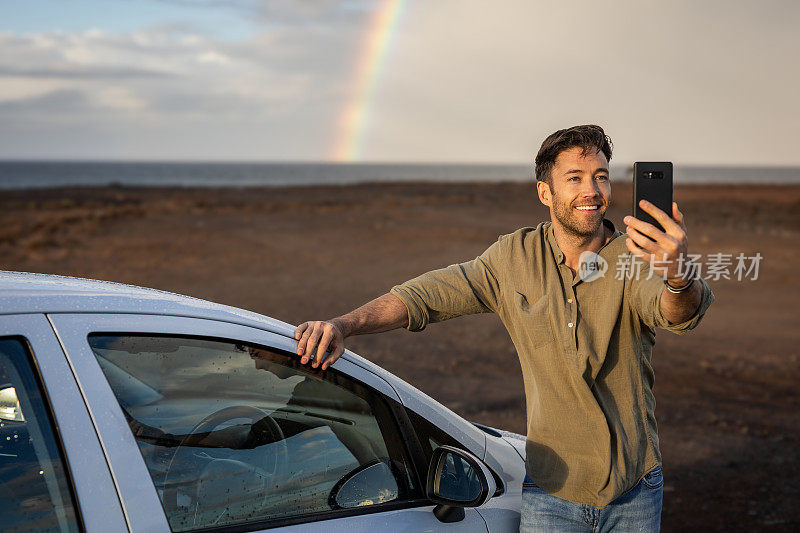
x,y
277,364
580,192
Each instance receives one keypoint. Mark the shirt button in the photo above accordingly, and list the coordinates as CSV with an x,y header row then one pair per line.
x,y
570,324
569,301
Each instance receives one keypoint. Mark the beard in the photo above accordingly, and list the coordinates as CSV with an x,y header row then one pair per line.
x,y
579,224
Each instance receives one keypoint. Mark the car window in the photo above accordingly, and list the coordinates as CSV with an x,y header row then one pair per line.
x,y
430,436
234,433
34,489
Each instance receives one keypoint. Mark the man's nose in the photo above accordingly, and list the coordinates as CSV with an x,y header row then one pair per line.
x,y
590,188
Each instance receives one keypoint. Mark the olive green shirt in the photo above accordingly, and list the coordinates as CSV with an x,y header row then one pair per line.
x,y
585,348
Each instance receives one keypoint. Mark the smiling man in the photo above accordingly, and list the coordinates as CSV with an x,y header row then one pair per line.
x,y
584,342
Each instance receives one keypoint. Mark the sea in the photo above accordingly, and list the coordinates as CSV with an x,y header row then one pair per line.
x,y
48,174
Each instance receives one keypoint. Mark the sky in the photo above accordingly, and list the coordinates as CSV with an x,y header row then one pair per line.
x,y
703,82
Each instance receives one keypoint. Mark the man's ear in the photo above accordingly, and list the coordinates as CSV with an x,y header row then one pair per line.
x,y
543,189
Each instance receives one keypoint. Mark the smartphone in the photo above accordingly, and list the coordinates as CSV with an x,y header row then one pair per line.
x,y
652,182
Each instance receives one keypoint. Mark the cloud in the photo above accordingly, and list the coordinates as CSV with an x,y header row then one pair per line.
x,y
292,12
173,92
313,11
462,81
101,72
58,101
62,104
161,60
210,56
215,4
678,80
120,98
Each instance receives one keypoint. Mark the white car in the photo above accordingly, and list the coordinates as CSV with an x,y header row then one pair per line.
x,y
131,409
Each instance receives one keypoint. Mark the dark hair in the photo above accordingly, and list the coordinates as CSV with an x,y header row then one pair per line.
x,y
588,137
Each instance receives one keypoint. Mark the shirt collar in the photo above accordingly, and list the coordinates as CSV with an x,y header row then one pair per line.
x,y
559,255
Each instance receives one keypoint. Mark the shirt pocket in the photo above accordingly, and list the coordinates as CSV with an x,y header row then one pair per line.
x,y
535,319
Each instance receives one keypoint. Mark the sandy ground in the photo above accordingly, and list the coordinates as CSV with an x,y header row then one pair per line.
x,y
728,402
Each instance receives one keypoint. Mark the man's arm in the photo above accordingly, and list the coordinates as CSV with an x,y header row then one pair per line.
x,y
314,338
456,290
666,248
678,308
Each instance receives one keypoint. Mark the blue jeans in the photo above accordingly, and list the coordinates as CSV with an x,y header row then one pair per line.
x,y
639,509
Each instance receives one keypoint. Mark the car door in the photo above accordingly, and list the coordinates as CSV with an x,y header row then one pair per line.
x,y
502,511
53,473
211,424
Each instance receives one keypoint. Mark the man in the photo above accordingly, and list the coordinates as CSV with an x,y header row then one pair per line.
x,y
584,342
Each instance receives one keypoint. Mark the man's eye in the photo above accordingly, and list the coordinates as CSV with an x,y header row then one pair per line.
x,y
602,177
574,178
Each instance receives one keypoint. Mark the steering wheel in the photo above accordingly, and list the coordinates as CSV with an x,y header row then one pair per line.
x,y
263,429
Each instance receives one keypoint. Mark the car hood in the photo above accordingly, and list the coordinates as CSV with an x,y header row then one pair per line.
x,y
516,440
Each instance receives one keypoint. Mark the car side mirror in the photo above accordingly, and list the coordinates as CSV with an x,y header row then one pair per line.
x,y
368,484
9,405
457,479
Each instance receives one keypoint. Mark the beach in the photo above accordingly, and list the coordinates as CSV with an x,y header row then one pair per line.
x,y
728,403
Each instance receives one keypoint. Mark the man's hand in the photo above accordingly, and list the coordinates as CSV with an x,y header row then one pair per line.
x,y
314,338
664,249
317,337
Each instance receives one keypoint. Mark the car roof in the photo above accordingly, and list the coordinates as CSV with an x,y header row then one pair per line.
x,y
25,292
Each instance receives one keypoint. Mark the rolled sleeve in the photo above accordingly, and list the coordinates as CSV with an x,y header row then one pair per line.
x,y
459,289
647,302
417,314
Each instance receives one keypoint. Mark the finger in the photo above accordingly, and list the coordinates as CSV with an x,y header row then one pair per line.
x,y
313,339
300,329
678,216
669,225
643,242
645,228
327,336
301,344
336,353
635,250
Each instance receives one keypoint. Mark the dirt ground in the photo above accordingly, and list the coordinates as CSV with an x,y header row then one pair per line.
x,y
728,401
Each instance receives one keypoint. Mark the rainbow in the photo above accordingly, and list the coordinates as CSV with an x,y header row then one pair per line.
x,y
354,121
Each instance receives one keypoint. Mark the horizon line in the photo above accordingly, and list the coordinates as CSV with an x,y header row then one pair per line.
x,y
363,163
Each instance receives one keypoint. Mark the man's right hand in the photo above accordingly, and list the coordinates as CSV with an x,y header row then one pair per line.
x,y
314,338
317,337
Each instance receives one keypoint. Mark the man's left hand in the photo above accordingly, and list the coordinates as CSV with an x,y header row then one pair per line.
x,y
664,250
